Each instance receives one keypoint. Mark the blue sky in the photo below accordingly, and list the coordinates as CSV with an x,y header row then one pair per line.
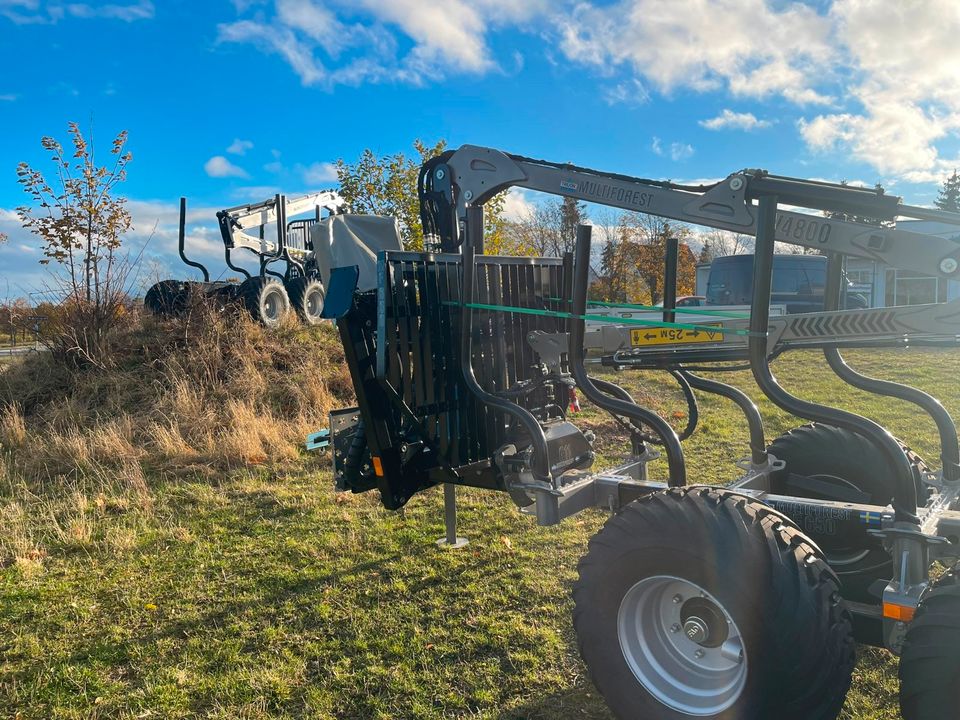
x,y
229,101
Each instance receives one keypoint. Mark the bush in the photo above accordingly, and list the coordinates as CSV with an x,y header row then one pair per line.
x,y
208,393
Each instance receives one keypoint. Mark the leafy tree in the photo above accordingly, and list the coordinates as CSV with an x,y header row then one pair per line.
x,y
949,197
572,213
619,282
80,222
632,260
387,186
651,234
500,236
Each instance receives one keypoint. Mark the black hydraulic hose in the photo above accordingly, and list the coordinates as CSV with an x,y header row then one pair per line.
x,y
758,443
613,389
947,429
616,405
905,495
693,410
541,463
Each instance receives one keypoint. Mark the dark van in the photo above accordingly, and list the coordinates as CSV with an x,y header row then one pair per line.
x,y
798,282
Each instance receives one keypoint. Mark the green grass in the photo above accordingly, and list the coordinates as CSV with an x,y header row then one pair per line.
x,y
269,596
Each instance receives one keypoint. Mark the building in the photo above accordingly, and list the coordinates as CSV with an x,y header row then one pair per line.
x,y
885,286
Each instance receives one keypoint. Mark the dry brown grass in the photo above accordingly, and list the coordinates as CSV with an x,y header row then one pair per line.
x,y
203,395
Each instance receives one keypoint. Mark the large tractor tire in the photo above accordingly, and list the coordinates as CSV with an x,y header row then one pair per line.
x,y
306,298
167,297
703,603
265,298
930,661
844,461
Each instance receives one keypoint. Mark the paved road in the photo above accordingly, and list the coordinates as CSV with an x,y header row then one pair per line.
x,y
16,350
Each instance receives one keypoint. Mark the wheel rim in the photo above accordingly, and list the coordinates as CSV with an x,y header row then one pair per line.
x,y
682,645
272,306
314,303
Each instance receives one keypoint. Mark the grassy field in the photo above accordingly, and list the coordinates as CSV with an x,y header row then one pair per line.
x,y
257,592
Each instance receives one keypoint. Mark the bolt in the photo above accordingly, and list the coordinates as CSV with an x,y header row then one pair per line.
x,y
948,265
699,654
468,195
440,174
736,183
675,628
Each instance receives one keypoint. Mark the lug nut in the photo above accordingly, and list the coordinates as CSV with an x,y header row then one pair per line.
x,y
699,654
677,599
675,628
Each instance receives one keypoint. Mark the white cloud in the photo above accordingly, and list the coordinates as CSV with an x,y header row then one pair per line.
x,y
905,90
746,47
318,173
631,92
219,167
255,192
728,119
142,10
516,206
873,80
29,12
239,147
680,151
410,41
8,98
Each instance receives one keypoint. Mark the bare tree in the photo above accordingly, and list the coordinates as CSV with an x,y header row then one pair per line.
x,y
81,223
720,243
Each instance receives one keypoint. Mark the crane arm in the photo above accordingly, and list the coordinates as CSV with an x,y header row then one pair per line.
x,y
471,175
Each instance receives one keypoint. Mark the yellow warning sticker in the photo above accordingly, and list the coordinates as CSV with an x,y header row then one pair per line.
x,y
673,336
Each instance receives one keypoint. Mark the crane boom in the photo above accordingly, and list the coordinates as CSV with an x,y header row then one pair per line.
x,y
471,175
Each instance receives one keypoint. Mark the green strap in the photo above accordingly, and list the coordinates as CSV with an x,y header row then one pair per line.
x,y
600,318
660,308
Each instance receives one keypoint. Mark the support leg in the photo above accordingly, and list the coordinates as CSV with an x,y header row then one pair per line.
x,y
450,519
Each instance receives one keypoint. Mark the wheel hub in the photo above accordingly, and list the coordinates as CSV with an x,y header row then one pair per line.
x,y
696,630
682,645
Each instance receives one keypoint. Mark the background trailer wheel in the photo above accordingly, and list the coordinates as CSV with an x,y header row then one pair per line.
x,y
702,603
167,297
830,463
306,298
930,661
265,298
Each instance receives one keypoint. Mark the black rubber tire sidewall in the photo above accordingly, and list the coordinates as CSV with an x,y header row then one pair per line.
x,y
930,661
299,290
165,297
254,293
817,449
801,672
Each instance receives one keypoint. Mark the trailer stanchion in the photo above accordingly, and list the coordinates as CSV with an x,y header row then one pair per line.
x,y
451,540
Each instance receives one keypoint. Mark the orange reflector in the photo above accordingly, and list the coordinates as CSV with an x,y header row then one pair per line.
x,y
903,613
377,466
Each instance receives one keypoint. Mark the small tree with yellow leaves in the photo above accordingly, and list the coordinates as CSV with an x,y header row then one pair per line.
x,y
81,222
